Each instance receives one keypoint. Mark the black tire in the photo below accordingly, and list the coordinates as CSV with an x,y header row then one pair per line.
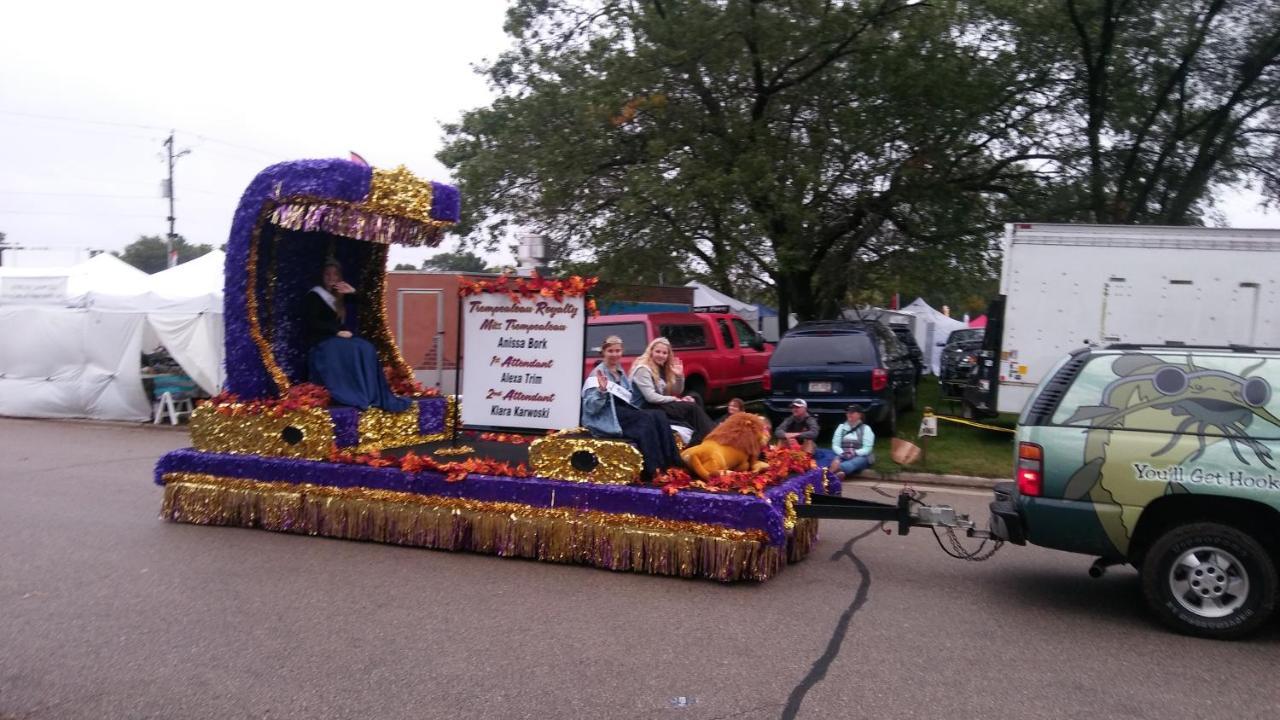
x,y
696,388
889,426
1227,595
911,403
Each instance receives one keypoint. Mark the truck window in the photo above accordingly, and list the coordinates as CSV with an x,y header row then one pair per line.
x,y
685,337
746,336
725,335
1234,397
634,338
802,350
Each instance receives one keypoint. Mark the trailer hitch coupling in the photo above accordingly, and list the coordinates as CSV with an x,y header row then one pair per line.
x,y
907,513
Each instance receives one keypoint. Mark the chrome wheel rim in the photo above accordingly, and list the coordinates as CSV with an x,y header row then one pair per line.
x,y
1209,582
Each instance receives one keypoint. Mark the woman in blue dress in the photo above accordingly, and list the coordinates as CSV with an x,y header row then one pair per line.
x,y
346,365
610,408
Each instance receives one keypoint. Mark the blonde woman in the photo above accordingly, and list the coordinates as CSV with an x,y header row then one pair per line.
x,y
658,375
611,407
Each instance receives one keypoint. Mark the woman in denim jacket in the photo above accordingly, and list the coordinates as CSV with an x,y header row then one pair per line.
x,y
609,408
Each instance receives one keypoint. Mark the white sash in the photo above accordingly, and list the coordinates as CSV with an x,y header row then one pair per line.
x,y
615,389
327,297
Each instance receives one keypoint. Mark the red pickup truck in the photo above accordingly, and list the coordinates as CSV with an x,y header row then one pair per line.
x,y
723,356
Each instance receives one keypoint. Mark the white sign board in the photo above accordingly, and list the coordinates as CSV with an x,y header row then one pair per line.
x,y
928,426
34,290
522,361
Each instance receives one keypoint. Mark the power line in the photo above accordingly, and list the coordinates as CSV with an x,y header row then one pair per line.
x,y
76,214
113,181
238,146
81,120
149,128
79,194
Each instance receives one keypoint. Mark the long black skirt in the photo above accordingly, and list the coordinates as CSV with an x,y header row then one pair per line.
x,y
691,415
651,432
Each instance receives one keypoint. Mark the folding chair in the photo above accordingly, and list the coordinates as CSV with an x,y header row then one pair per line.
x,y
173,395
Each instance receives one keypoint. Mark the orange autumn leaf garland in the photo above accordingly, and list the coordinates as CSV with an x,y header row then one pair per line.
x,y
302,396
516,287
411,462
511,438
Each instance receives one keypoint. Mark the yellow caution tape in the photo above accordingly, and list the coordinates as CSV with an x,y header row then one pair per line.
x,y
962,421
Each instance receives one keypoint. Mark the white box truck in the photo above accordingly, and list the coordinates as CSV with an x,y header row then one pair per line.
x,y
1067,286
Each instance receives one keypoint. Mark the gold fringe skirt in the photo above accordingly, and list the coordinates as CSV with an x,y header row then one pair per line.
x,y
622,542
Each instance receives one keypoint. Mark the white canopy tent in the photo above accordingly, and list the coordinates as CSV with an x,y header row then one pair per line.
x,y
69,286
931,331
71,362
183,308
194,286
703,295
77,335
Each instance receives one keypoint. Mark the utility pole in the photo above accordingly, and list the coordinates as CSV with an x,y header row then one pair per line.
x,y
170,251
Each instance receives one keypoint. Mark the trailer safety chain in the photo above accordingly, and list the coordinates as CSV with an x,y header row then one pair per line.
x,y
960,552
962,421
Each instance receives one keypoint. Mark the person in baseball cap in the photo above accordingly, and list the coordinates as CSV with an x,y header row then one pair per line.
x,y
800,429
853,443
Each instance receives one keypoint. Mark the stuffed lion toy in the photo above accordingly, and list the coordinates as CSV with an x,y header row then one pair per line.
x,y
734,445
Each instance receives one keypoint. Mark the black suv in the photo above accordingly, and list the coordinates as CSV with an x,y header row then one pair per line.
x,y
903,333
958,358
831,364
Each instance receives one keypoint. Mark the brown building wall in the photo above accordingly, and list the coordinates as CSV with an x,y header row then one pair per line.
x,y
422,310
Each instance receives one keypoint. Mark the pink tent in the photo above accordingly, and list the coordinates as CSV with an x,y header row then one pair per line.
x,y
978,322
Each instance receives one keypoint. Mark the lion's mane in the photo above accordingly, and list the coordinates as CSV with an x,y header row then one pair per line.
x,y
743,431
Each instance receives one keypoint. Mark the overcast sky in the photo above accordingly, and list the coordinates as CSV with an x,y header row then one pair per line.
x,y
90,90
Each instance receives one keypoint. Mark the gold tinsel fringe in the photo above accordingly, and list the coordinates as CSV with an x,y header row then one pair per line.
x,y
617,542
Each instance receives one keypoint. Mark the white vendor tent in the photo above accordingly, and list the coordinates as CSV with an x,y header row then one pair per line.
x,y
183,307
931,331
80,357
194,286
60,362
703,295
69,286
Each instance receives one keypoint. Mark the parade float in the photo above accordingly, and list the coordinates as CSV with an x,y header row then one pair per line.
x,y
506,472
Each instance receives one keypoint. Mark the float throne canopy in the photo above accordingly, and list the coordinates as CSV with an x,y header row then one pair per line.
x,y
290,220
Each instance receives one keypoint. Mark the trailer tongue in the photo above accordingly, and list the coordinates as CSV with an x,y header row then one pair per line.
x,y
908,512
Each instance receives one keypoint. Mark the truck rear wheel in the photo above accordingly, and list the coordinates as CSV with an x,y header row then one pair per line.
x,y
1210,580
888,427
696,388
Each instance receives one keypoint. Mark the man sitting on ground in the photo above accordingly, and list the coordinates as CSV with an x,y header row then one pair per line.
x,y
854,440
799,429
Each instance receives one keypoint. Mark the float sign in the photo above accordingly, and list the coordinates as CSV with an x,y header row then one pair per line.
x,y
522,361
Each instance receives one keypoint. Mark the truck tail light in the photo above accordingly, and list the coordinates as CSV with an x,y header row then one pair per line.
x,y
766,382
879,379
1030,469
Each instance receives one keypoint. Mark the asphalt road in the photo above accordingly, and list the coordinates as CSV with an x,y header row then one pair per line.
x,y
108,612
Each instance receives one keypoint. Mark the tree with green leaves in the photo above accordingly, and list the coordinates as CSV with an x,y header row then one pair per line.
x,y
1161,103
818,149
149,253
457,261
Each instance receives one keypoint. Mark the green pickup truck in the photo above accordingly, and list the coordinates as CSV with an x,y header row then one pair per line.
x,y
1163,457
